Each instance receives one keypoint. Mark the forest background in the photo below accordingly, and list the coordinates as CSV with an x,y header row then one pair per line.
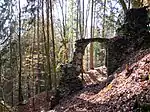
x,y
37,36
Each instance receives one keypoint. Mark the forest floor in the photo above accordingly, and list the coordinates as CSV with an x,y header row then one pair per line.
x,y
129,91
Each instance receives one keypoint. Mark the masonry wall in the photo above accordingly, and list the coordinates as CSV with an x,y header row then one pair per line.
x,y
133,35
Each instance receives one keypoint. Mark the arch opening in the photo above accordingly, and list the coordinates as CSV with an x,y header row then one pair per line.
x,y
97,71
98,54
81,59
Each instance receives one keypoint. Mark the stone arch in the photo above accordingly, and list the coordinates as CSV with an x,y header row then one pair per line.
x,y
80,49
70,81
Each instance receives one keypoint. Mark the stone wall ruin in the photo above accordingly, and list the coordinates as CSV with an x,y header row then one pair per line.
x,y
132,36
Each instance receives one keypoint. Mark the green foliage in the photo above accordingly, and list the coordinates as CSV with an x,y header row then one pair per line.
x,y
68,27
5,108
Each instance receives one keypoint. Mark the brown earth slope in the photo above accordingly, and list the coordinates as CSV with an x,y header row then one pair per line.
x,y
128,92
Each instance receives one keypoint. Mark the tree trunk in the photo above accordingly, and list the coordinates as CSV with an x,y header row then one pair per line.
x,y
38,53
33,72
77,21
103,25
123,4
87,15
11,70
45,47
48,47
82,18
64,37
20,98
91,45
53,42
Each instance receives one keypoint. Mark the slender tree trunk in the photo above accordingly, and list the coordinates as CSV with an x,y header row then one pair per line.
x,y
38,51
123,4
94,19
64,37
63,19
129,4
77,21
72,22
87,59
91,45
20,98
48,48
53,42
11,70
85,32
29,75
28,86
87,16
103,27
33,72
45,47
82,18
